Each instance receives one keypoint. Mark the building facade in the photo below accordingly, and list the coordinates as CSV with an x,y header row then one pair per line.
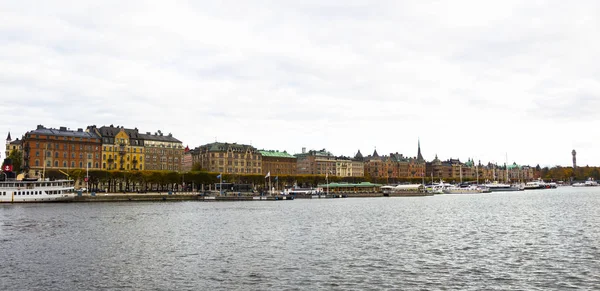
x,y
278,163
316,163
186,160
228,158
12,145
162,152
122,148
62,149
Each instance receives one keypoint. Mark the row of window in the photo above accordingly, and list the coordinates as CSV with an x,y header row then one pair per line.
x,y
57,146
116,158
232,163
116,149
65,164
24,193
57,154
66,138
232,155
126,167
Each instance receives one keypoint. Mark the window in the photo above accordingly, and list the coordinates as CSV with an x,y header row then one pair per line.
x,y
56,164
37,163
81,164
64,164
37,153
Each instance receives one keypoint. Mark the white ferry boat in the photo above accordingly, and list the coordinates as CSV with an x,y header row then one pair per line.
x,y
404,190
500,187
15,191
471,189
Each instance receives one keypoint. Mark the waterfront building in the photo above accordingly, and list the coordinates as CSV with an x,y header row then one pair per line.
x,y
519,173
349,167
62,149
122,148
358,165
395,166
228,158
452,170
375,166
13,145
162,152
316,162
278,163
186,161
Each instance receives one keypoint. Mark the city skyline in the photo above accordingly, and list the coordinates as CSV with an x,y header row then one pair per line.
x,y
491,81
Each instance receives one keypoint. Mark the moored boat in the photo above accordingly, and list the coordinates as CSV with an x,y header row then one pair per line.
x,y
470,189
404,190
14,191
500,187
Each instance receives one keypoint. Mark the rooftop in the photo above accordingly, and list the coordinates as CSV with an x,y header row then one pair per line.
x,y
276,154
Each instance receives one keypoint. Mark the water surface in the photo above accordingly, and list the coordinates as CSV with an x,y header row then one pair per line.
x,y
545,239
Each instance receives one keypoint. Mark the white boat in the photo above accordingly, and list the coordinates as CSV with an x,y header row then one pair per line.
x,y
472,189
437,188
15,191
589,183
404,190
536,185
500,187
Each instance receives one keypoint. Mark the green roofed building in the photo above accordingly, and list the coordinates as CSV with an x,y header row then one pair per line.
x,y
278,163
363,187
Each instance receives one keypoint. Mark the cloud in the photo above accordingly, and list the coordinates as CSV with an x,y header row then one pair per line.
x,y
469,78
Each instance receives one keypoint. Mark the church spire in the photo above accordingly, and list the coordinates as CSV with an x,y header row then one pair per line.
x,y
8,138
419,155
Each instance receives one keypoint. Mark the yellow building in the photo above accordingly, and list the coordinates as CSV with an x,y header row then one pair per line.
x,y
122,148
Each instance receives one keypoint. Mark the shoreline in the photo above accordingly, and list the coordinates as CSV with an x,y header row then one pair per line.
x,y
120,197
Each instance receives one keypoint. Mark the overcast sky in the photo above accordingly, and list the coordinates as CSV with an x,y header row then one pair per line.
x,y
488,80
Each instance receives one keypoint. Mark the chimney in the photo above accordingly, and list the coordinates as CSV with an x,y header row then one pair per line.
x,y
80,130
304,150
62,128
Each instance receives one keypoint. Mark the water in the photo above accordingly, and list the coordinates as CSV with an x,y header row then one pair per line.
x,y
526,240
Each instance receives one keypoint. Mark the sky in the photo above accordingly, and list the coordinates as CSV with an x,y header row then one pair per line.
x,y
494,81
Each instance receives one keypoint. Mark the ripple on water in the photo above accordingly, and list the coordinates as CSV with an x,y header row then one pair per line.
x,y
522,241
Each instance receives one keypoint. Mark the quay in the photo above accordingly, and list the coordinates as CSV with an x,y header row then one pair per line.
x,y
194,196
116,197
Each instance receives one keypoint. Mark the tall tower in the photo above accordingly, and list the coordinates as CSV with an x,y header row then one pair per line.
x,y
419,155
8,141
574,153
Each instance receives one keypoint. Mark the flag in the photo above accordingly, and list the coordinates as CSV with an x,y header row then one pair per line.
x,y
268,175
219,176
326,175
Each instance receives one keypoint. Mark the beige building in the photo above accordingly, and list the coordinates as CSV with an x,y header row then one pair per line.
x,y
278,163
162,152
316,162
228,158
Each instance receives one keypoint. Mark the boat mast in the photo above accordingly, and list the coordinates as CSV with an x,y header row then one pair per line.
x,y
506,167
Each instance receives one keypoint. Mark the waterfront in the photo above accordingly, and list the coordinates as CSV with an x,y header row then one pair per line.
x,y
545,239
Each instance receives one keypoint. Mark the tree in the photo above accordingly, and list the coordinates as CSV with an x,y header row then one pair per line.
x,y
17,159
